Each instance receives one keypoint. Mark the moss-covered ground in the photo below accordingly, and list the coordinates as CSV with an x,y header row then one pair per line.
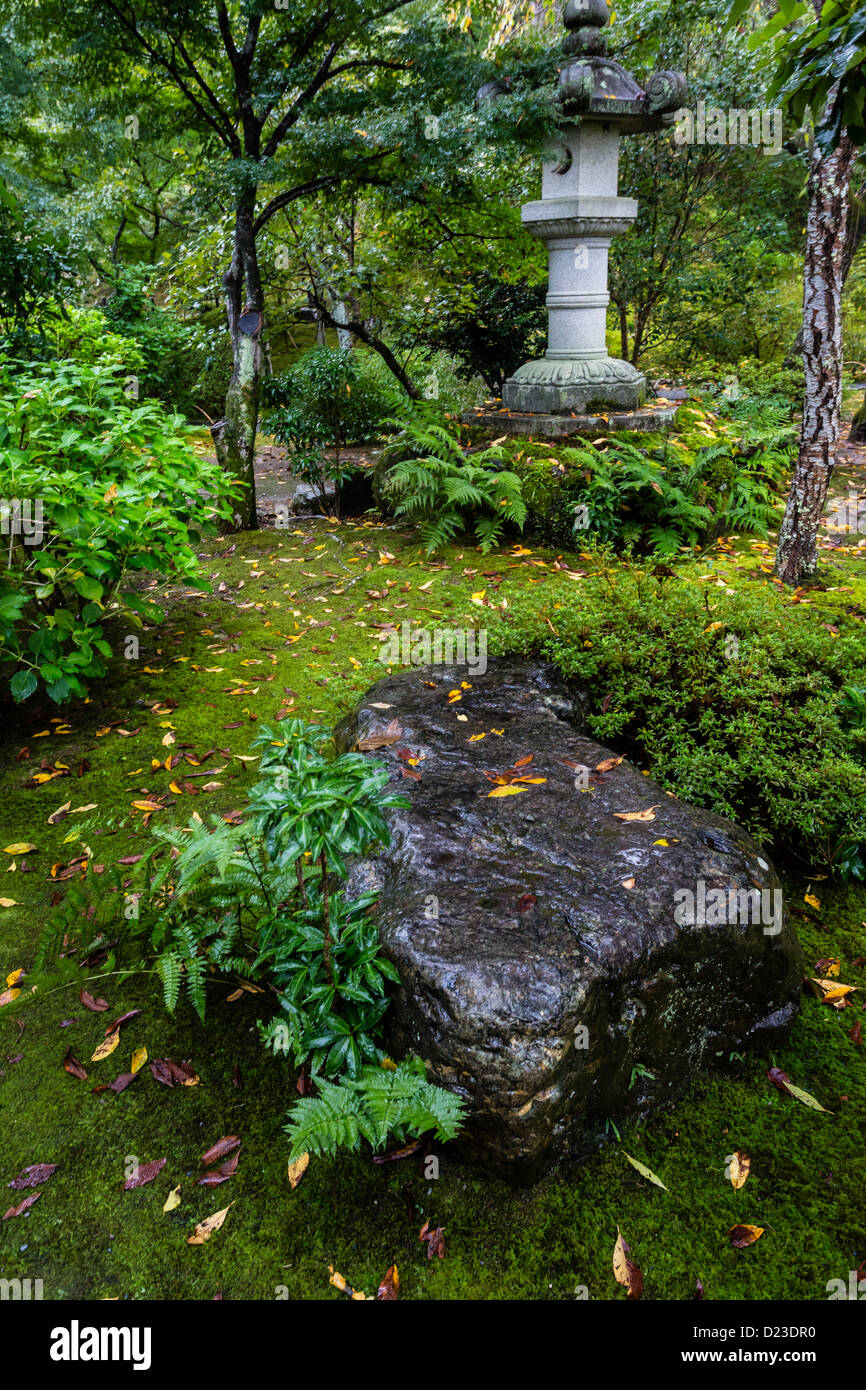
x,y
291,623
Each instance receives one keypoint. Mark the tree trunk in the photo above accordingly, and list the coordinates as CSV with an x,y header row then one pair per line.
x,y
829,186
235,435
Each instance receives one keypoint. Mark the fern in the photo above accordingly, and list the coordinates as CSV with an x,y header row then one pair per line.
x,y
378,1105
445,491
169,968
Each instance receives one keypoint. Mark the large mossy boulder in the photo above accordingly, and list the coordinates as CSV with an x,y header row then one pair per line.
x,y
563,962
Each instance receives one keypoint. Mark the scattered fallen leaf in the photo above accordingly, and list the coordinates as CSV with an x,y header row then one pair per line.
x,y
106,1047
119,1022
784,1083
96,1006
146,1172
740,1166
743,1236
73,1066
298,1169
205,1229
223,1146
435,1239
340,1283
171,1073
625,1271
33,1176
226,1170
649,814
646,1172
389,1289
22,1206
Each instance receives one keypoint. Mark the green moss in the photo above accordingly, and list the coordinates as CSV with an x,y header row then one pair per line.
x,y
88,1238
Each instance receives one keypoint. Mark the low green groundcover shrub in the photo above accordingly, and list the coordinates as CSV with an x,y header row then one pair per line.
x,y
723,471
94,489
738,701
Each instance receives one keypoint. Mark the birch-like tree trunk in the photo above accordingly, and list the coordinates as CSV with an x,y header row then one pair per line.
x,y
235,435
829,189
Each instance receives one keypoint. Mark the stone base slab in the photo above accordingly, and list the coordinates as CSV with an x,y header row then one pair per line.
x,y
656,417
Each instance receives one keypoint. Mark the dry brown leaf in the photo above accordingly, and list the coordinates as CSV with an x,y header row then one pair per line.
x,y
625,1271
649,814
739,1169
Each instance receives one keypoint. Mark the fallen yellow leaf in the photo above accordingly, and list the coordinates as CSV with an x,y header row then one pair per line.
x,y
106,1047
298,1169
205,1229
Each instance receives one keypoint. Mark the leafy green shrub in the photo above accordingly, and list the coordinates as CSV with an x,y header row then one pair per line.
x,y
33,269
330,398
258,899
442,490
734,701
96,488
85,336
491,325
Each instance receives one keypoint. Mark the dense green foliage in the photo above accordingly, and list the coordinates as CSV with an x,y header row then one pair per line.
x,y
724,471
257,899
98,490
330,398
491,327
734,700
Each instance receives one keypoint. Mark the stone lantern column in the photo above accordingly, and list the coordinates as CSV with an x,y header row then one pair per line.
x,y
579,214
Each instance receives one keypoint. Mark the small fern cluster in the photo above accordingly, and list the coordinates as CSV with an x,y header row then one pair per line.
x,y
444,491
378,1105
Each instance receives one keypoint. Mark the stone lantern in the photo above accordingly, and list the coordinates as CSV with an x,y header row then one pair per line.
x,y
578,215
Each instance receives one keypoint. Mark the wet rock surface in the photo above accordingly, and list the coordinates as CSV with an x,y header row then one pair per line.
x,y
552,971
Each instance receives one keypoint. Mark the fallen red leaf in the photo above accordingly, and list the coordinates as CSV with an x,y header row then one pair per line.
x,y
73,1066
119,1022
33,1176
96,1006
22,1206
146,1172
220,1149
435,1239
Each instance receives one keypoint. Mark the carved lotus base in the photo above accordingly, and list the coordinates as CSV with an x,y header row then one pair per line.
x,y
562,386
